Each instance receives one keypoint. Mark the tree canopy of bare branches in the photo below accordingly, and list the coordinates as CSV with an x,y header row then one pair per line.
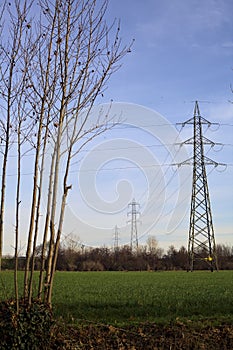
x,y
56,60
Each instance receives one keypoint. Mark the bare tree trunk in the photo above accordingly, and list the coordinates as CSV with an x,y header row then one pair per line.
x,y
46,228
2,137
21,138
54,201
17,218
37,217
56,247
33,208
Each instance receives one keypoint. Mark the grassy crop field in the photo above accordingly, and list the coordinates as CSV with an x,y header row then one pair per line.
x,y
132,297
139,310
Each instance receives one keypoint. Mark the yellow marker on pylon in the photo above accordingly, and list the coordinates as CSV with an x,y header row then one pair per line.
x,y
209,258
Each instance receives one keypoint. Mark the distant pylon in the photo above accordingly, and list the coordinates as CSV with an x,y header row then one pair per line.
x,y
134,214
201,241
116,239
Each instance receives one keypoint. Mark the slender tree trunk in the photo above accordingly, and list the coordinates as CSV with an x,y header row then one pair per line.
x,y
17,218
56,248
37,217
5,156
46,228
54,200
3,192
60,226
33,209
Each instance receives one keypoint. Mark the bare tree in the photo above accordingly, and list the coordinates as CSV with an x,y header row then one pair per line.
x,y
11,87
54,66
87,59
8,56
43,76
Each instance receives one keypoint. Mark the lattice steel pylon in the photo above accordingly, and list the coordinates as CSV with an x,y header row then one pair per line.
x,y
116,239
201,242
133,213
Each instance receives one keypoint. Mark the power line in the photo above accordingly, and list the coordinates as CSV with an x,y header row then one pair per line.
x,y
123,168
128,126
125,148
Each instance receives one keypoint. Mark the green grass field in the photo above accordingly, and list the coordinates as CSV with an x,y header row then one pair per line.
x,y
131,297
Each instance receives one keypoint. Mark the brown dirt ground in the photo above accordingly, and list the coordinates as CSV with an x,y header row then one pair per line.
x,y
146,336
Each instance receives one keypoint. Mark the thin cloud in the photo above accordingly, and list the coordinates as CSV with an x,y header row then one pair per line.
x,y
228,44
192,23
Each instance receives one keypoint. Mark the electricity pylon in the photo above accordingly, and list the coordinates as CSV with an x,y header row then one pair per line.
x,y
201,242
116,239
133,213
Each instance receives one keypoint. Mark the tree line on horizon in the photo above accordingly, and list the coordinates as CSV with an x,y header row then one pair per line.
x,y
148,257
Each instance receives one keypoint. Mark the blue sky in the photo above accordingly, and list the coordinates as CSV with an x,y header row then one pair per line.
x,y
182,52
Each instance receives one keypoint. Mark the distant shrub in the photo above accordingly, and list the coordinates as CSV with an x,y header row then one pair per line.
x,y
91,265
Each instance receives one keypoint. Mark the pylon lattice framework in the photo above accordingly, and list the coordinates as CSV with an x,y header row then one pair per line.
x,y
116,239
133,213
201,242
